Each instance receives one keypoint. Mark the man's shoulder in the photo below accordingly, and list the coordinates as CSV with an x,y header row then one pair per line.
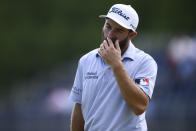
x,y
89,56
144,56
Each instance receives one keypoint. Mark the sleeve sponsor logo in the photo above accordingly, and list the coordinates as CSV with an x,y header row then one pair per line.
x,y
142,81
76,90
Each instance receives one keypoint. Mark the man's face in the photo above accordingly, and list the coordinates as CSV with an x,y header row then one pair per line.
x,y
123,43
115,32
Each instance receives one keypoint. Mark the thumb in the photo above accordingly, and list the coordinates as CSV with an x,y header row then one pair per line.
x,y
117,45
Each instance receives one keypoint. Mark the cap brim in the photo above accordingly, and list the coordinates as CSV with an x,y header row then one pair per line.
x,y
105,16
102,16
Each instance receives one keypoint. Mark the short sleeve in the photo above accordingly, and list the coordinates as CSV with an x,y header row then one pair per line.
x,y
76,92
146,76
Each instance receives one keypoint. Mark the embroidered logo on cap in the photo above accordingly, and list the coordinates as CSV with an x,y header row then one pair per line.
x,y
119,12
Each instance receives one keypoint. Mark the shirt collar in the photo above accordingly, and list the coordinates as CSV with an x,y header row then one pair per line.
x,y
129,53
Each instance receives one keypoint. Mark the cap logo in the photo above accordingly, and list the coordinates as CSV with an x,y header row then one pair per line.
x,y
133,27
119,12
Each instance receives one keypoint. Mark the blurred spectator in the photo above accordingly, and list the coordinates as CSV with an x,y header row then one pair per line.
x,y
181,56
57,101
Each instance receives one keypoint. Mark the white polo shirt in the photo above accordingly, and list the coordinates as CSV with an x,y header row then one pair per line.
x,y
96,89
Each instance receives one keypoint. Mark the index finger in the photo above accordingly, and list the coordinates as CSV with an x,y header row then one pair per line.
x,y
110,43
105,44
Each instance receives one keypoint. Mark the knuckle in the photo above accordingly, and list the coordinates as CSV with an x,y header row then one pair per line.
x,y
111,48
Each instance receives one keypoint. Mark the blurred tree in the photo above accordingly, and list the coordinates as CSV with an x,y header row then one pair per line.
x,y
37,35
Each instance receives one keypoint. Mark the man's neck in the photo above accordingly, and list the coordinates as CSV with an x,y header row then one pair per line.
x,y
124,49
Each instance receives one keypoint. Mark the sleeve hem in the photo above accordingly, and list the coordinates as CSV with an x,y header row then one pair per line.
x,y
74,99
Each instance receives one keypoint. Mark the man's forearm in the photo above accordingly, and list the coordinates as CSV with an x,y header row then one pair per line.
x,y
77,120
132,94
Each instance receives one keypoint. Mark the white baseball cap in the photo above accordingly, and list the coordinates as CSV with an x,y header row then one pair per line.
x,y
124,15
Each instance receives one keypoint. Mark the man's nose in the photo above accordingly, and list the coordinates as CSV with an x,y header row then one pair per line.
x,y
111,34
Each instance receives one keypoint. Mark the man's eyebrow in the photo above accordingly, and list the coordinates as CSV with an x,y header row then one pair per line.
x,y
119,29
108,24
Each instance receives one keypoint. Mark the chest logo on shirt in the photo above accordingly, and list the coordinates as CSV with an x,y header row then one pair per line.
x,y
91,75
142,81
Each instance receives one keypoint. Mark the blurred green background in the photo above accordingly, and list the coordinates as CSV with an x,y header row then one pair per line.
x,y
37,35
41,42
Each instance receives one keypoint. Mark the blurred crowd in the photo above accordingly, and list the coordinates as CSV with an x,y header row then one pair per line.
x,y
43,104
173,105
181,56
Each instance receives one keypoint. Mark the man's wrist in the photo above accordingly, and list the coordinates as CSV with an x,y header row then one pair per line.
x,y
117,66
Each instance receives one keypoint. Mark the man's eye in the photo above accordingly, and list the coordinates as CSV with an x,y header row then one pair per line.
x,y
107,26
120,31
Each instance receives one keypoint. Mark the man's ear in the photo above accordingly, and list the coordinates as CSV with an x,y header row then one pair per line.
x,y
132,35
